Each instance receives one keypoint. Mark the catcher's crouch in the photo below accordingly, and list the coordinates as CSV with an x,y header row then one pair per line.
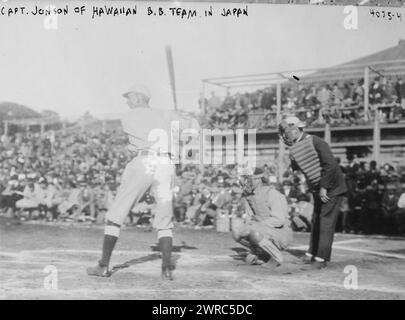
x,y
267,230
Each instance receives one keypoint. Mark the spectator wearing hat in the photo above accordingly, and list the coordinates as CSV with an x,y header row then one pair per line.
x,y
372,174
372,209
358,214
337,95
192,204
390,209
32,197
12,193
51,198
70,200
207,210
376,92
237,206
400,90
291,193
104,198
220,197
351,178
324,96
85,210
357,96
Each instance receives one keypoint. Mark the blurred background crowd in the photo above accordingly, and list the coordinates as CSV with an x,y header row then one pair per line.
x,y
73,176
67,175
375,203
339,103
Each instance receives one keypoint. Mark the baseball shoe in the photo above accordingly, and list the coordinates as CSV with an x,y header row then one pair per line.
x,y
98,271
272,265
167,274
305,260
318,265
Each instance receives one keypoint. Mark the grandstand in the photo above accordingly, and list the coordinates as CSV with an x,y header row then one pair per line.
x,y
375,135
369,137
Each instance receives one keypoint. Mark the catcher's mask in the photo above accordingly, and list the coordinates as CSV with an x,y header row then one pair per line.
x,y
247,181
289,129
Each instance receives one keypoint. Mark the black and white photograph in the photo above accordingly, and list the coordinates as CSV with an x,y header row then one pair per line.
x,y
202,151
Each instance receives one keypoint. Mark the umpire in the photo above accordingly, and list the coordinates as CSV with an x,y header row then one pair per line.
x,y
313,157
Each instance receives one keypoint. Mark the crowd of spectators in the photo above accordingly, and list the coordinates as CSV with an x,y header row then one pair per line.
x,y
74,176
339,103
70,176
375,203
203,198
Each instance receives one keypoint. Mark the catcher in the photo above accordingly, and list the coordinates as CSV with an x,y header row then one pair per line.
x,y
266,231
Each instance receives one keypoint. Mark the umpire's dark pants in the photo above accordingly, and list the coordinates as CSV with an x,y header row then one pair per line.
x,y
323,226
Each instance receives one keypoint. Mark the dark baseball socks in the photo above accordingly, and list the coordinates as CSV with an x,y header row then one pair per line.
x,y
166,244
108,247
111,234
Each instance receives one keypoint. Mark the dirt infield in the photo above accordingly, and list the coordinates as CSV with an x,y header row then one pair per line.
x,y
208,266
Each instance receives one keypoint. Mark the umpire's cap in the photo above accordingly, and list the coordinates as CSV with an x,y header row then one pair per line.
x,y
138,88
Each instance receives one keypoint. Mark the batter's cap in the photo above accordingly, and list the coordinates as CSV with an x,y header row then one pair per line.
x,y
293,120
138,88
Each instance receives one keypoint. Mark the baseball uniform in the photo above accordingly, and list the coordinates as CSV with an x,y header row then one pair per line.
x,y
270,216
154,140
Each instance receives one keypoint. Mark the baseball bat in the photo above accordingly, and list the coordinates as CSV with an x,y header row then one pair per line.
x,y
170,65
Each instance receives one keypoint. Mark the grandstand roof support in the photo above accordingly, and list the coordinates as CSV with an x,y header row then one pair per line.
x,y
328,135
366,86
203,100
280,160
202,150
376,137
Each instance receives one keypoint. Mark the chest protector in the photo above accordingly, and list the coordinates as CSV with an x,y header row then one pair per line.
x,y
306,157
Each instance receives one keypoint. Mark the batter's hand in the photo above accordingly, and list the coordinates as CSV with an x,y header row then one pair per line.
x,y
323,195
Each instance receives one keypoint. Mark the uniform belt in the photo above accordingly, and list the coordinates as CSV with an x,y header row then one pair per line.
x,y
148,152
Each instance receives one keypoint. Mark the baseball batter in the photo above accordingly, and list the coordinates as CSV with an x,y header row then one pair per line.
x,y
267,228
149,132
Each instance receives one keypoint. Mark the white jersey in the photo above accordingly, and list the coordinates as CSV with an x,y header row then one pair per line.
x,y
155,129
